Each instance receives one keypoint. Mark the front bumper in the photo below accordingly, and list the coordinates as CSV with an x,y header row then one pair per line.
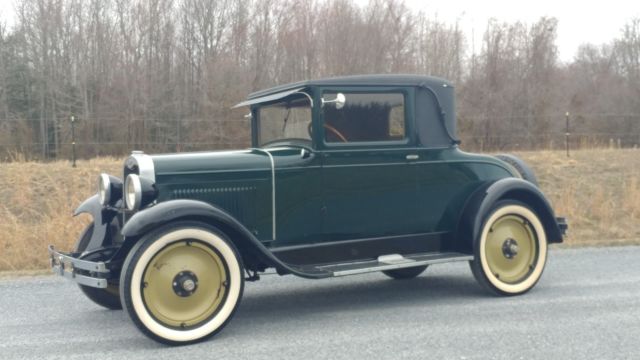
x,y
88,273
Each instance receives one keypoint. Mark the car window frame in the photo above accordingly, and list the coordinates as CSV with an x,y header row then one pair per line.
x,y
255,123
408,97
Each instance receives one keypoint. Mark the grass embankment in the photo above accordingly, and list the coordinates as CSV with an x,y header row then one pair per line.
x,y
597,190
36,205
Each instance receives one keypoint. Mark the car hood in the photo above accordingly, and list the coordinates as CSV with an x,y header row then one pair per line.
x,y
168,165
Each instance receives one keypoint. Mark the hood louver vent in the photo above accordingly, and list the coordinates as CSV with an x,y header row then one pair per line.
x,y
236,200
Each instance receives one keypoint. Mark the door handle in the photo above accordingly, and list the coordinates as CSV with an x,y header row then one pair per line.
x,y
413,157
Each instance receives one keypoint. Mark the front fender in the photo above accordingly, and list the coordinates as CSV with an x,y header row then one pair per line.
x,y
481,202
102,218
184,209
90,206
167,211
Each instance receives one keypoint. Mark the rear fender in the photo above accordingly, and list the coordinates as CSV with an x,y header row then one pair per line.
x,y
481,202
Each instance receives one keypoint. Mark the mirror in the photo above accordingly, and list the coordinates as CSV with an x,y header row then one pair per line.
x,y
340,100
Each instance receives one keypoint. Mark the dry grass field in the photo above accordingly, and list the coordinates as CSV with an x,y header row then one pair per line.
x,y
597,190
36,205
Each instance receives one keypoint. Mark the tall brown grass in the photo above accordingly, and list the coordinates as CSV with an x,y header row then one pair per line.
x,y
36,205
597,190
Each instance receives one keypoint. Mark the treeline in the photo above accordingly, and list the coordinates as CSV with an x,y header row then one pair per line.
x,y
162,75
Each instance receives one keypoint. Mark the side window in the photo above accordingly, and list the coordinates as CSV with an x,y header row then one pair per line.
x,y
364,117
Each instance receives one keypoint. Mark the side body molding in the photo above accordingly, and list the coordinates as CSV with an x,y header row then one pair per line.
x,y
479,205
183,209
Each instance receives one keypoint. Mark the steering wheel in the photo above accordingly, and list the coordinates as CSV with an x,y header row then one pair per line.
x,y
333,130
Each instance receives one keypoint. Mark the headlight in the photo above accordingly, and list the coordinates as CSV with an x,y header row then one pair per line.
x,y
133,192
139,192
109,189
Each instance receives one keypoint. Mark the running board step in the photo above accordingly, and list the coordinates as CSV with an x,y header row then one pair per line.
x,y
391,262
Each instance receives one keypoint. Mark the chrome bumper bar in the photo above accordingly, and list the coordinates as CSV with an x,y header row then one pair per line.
x,y
68,266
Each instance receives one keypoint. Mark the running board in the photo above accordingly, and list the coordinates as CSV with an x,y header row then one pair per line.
x,y
391,262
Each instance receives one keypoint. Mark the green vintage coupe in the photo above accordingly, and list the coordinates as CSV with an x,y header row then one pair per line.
x,y
345,176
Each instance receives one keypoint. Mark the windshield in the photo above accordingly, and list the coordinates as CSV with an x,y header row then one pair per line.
x,y
285,120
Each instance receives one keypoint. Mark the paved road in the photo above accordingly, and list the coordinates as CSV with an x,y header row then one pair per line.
x,y
587,305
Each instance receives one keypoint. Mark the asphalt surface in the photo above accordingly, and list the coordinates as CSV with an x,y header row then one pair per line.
x,y
587,306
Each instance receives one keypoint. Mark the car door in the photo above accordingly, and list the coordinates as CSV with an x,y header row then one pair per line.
x,y
368,178
295,190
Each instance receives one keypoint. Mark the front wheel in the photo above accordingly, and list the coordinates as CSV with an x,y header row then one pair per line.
x,y
511,253
182,283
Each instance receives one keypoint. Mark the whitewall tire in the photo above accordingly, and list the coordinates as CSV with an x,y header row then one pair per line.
x,y
511,253
182,283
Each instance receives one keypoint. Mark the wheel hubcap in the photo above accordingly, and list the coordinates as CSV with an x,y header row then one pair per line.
x,y
185,284
511,248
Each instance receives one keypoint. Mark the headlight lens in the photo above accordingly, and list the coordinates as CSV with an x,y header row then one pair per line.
x,y
133,193
109,189
139,192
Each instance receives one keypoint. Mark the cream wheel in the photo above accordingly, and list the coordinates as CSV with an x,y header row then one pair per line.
x,y
182,283
511,252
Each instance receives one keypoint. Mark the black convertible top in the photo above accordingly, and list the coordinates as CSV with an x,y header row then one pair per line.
x,y
434,108
359,80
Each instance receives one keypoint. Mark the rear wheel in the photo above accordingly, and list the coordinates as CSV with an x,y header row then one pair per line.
x,y
108,297
182,283
511,253
405,273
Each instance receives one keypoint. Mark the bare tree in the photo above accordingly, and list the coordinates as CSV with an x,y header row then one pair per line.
x,y
161,75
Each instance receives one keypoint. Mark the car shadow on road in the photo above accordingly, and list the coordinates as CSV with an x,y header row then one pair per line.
x,y
272,300
335,295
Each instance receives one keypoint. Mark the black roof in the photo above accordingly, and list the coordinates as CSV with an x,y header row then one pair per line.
x,y
359,80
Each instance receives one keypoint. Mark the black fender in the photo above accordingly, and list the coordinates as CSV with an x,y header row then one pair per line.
x,y
102,219
524,171
480,203
185,209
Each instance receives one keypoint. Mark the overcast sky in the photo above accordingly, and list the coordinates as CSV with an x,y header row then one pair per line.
x,y
579,21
